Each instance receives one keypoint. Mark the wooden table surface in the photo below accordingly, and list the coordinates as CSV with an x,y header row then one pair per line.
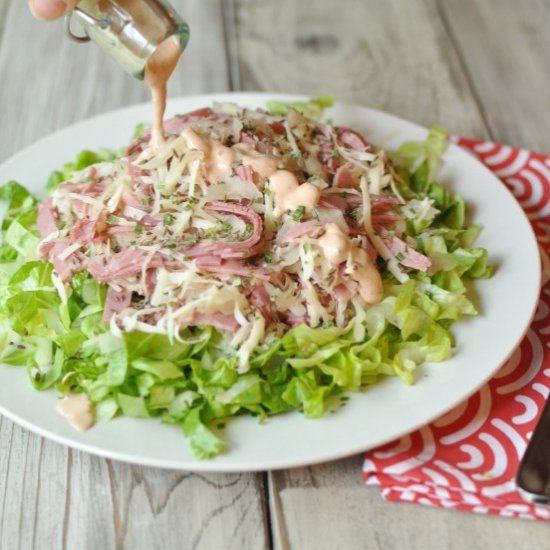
x,y
478,67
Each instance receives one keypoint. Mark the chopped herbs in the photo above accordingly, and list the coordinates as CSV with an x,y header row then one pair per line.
x,y
168,219
354,213
225,227
298,213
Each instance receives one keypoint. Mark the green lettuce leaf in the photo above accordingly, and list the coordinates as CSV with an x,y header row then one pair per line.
x,y
83,160
423,157
314,108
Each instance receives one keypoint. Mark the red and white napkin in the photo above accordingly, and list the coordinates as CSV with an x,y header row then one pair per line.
x,y
468,458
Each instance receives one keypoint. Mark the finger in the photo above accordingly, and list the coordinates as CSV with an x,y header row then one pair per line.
x,y
47,10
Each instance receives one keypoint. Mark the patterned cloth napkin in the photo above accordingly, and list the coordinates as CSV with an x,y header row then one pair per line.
x,y
468,458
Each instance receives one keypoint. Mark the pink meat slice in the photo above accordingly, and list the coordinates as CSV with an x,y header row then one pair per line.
x,y
278,128
219,321
134,171
293,320
247,138
83,209
385,218
345,177
127,263
69,266
236,249
46,218
245,173
260,299
342,293
327,157
351,138
150,220
235,268
116,301
378,202
131,199
175,125
298,230
151,281
83,231
411,257
92,189
333,201
44,249
117,229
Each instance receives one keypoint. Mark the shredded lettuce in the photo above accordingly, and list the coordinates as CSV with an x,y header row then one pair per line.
x,y
194,382
423,158
83,160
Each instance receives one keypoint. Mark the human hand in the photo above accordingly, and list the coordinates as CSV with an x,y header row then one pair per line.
x,y
51,9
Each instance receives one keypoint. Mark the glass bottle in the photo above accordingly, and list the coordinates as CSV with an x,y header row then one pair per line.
x,y
129,31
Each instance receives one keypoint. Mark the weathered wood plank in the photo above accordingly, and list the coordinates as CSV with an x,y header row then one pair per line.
x,y
4,7
203,68
291,532
327,507
232,48
504,46
32,485
395,56
339,518
146,508
52,497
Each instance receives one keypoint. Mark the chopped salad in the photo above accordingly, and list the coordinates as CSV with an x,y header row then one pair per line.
x,y
259,261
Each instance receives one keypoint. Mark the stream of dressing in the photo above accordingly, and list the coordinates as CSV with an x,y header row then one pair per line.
x,y
159,68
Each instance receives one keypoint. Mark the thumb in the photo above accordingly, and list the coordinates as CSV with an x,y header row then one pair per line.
x,y
46,10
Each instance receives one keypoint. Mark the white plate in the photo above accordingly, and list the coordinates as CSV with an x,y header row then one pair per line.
x,y
384,412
